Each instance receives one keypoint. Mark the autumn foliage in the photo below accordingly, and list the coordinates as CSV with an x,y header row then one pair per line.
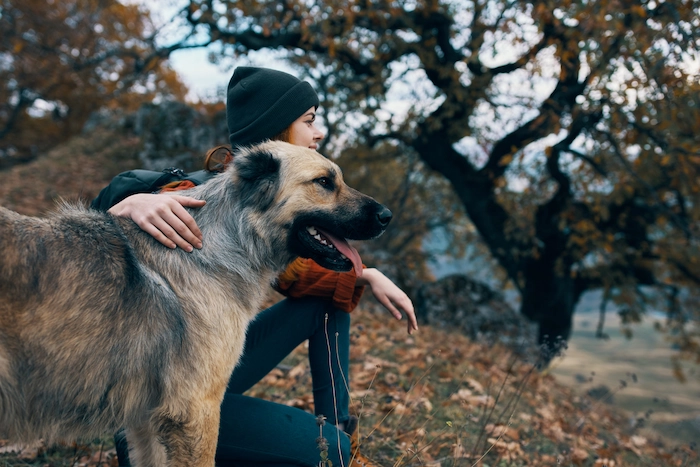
x,y
62,60
567,130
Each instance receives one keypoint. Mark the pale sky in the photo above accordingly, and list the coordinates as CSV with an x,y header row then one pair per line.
x,y
201,77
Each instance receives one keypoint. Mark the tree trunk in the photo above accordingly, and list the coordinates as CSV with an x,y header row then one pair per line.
x,y
549,296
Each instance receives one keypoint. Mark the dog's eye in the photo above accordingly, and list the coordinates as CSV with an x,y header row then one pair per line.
x,y
325,182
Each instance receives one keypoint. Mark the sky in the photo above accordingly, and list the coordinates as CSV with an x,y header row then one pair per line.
x,y
202,77
192,65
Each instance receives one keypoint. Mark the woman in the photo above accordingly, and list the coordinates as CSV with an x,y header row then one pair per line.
x,y
267,104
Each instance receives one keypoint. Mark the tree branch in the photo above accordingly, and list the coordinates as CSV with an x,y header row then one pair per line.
x,y
681,223
22,103
589,160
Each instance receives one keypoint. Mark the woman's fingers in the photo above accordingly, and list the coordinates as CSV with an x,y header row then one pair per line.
x,y
164,217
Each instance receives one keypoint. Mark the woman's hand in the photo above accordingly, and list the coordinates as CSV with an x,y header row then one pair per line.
x,y
389,295
164,217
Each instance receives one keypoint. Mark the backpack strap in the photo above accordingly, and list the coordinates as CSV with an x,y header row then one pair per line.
x,y
143,181
199,176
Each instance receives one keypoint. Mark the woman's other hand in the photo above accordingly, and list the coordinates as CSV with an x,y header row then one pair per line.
x,y
164,217
390,296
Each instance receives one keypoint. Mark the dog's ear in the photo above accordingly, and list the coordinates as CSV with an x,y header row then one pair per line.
x,y
258,177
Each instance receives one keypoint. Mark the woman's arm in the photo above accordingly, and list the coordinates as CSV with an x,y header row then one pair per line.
x,y
305,278
164,217
389,295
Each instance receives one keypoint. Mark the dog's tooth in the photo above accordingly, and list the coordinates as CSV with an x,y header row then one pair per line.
x,y
321,239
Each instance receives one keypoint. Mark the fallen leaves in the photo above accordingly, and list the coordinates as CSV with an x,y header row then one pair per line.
x,y
469,399
604,463
578,456
507,450
463,401
72,454
498,431
23,451
439,399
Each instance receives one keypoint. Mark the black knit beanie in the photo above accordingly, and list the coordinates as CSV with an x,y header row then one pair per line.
x,y
262,103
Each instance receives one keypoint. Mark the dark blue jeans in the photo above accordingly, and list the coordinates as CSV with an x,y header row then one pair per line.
x,y
258,432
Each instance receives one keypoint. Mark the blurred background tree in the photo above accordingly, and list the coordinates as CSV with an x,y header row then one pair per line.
x,y
565,131
61,60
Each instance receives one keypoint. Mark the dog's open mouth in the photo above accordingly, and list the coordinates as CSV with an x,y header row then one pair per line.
x,y
333,252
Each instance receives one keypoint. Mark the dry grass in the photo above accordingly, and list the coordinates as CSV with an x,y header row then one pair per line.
x,y
437,398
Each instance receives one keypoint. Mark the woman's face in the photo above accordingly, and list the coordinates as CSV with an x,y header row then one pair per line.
x,y
303,131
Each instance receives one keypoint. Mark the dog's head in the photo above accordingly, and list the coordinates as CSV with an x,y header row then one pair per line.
x,y
303,194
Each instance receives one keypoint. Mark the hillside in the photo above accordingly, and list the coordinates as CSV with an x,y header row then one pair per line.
x,y
431,399
76,170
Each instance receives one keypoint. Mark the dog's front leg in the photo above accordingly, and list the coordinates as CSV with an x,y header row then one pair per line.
x,y
144,448
190,441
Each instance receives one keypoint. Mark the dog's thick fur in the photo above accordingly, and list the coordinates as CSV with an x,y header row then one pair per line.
x,y
101,327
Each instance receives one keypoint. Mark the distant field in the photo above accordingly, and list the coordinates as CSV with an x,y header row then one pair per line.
x,y
675,406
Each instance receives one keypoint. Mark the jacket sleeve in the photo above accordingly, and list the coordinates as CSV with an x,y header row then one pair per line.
x,y
129,183
121,186
305,278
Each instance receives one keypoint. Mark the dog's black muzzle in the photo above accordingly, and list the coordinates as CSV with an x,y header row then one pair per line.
x,y
369,222
384,216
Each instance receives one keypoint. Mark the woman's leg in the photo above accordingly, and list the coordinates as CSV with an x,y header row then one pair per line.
x,y
329,354
256,432
263,433
272,336
280,329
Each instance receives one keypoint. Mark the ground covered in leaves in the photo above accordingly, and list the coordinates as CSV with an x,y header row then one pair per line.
x,y
431,399
438,399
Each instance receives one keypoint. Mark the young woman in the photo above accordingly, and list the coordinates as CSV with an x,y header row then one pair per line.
x,y
267,104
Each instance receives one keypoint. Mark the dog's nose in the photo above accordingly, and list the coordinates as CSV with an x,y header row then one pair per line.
x,y
384,216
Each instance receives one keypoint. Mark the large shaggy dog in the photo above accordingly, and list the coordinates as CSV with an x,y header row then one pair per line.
x,y
101,327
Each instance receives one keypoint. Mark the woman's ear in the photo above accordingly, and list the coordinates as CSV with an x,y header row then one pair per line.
x,y
258,177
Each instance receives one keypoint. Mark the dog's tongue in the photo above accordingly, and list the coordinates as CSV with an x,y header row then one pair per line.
x,y
345,248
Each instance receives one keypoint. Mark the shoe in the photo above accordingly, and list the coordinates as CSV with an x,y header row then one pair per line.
x,y
357,459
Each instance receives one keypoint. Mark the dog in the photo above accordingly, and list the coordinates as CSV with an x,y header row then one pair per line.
x,y
102,327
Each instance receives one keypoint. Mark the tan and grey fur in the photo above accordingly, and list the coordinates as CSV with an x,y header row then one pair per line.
x,y
101,327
